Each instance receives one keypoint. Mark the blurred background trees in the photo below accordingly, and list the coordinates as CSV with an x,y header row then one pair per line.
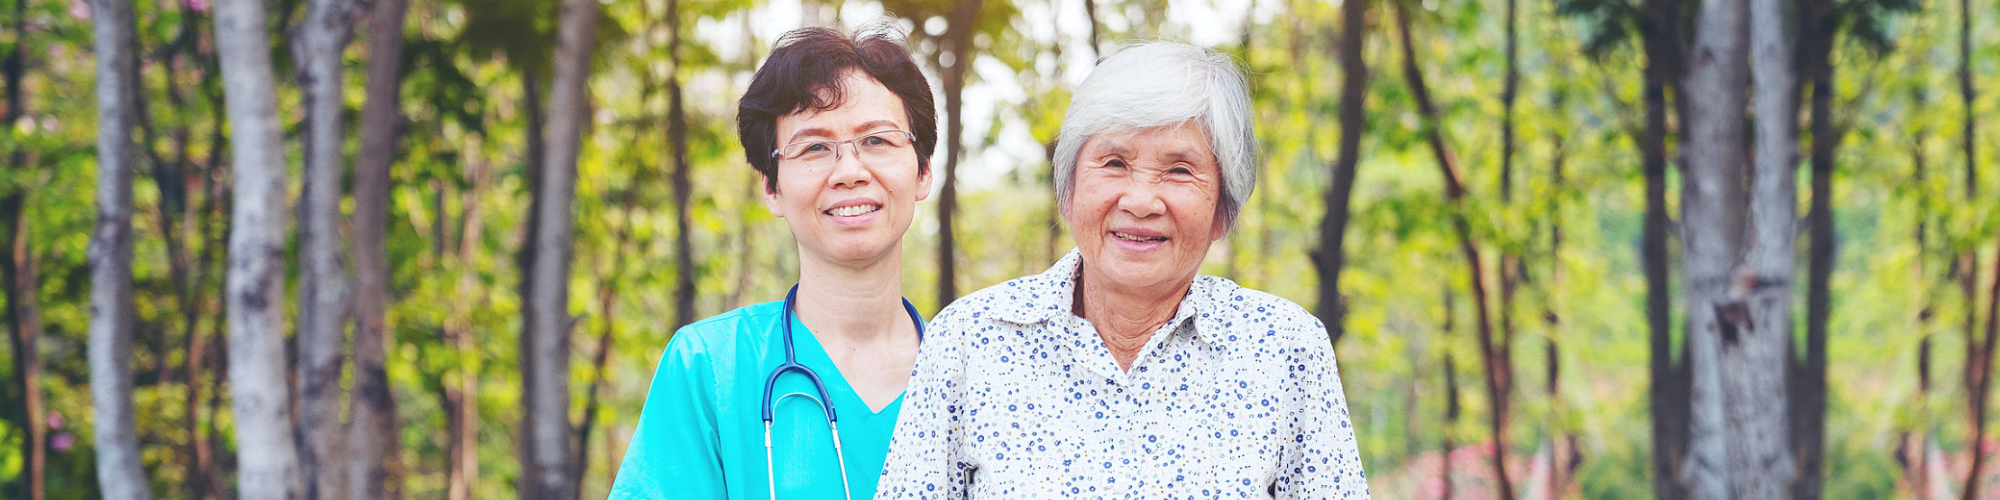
x,y
424,249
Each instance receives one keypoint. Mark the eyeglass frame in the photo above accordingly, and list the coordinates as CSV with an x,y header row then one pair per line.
x,y
778,154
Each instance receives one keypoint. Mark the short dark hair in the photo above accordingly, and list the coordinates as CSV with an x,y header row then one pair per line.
x,y
804,72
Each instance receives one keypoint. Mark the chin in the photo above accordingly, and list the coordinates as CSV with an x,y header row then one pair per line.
x,y
860,249
1146,270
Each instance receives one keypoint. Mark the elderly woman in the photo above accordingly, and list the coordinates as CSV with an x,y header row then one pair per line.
x,y
1120,372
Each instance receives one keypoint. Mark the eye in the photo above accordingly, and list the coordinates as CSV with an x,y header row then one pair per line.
x,y
874,141
1115,163
816,147
1181,170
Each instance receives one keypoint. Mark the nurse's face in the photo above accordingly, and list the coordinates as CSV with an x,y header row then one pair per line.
x,y
852,209
1143,209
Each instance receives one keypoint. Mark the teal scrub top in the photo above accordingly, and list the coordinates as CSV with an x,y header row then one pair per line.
x,y
701,433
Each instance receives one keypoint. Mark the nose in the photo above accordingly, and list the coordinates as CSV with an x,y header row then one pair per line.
x,y
1141,199
848,169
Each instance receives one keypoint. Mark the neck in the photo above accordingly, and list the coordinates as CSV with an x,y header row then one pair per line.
x,y
1125,317
853,303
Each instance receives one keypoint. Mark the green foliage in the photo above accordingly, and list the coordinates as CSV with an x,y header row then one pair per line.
x,y
460,197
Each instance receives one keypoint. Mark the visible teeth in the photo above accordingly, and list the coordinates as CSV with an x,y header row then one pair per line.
x,y
852,210
1128,237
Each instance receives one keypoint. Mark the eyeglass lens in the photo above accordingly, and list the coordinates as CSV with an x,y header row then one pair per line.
x,y
872,146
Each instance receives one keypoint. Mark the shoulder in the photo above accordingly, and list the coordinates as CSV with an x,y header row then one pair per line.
x,y
1258,313
1019,300
721,334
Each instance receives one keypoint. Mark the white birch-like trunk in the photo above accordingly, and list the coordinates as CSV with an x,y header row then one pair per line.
x,y
322,281
1713,201
547,474
267,455
372,429
1754,367
119,474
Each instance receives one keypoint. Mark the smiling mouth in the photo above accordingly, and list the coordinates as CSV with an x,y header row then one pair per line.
x,y
852,210
1141,239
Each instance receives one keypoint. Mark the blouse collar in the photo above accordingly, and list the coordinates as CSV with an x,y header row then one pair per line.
x,y
1043,297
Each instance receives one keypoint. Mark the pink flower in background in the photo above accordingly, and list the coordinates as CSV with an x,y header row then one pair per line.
x,y
62,442
55,420
79,9
195,5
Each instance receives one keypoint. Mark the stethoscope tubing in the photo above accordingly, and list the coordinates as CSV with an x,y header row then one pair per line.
x,y
825,401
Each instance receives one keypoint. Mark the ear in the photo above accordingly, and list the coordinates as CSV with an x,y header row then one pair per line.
x,y
1219,229
924,183
771,197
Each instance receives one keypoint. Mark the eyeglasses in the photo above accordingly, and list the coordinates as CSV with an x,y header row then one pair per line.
x,y
882,145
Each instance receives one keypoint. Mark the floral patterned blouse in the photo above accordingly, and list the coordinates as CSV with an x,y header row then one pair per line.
x,y
1016,397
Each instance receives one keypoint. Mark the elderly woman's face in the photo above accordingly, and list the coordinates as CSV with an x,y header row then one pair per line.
x,y
1143,208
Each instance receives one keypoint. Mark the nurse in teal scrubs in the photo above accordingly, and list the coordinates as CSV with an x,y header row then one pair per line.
x,y
840,130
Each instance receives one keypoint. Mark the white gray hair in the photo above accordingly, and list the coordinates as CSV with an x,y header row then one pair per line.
x,y
1165,84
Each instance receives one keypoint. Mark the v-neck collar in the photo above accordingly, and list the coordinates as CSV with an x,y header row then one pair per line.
x,y
811,353
1095,355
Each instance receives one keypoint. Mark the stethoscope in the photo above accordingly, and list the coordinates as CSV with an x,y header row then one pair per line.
x,y
824,401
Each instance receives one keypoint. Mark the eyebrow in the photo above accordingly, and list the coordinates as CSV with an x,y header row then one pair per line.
x,y
1186,155
1182,155
823,132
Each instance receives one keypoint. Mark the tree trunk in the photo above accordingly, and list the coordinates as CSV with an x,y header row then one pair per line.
x,y
684,270
119,475
18,279
262,404
1512,273
1331,256
1052,222
1808,412
964,20
318,48
607,302
1916,442
373,426
1979,356
1090,14
200,458
546,468
1985,394
1741,319
1561,448
1669,392
210,454
1969,95
461,408
1713,204
222,202
1754,366
1498,368
1451,405
526,256
187,273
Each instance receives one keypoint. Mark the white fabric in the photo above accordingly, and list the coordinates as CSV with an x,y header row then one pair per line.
x,y
1016,397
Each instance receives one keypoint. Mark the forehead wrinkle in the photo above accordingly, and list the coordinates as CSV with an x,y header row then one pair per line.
x,y
1108,144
